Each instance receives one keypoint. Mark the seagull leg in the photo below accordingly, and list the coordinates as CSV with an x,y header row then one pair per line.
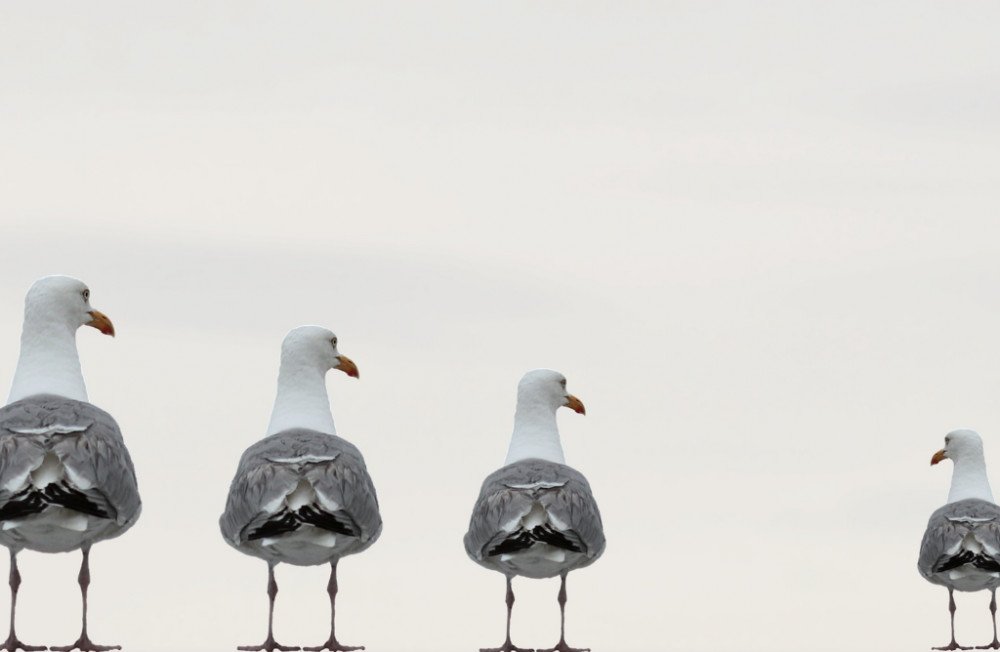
x,y
995,645
269,645
507,645
84,644
332,643
561,645
951,607
12,644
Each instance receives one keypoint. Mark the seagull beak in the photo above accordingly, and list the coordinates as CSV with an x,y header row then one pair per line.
x,y
347,366
938,456
575,404
101,322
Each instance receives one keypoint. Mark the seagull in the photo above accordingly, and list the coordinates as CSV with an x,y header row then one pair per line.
x,y
302,495
961,547
66,478
535,516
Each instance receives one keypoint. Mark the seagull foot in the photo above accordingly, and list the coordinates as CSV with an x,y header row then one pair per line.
x,y
84,644
995,645
506,647
334,646
952,646
270,645
12,644
562,647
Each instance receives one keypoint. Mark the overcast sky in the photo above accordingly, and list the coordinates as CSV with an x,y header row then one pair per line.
x,y
760,240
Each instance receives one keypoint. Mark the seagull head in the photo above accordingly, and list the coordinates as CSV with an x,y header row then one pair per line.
x,y
315,345
547,388
959,445
64,301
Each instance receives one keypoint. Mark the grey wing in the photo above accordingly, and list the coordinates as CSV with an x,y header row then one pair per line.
x,y
497,513
346,488
19,456
949,526
254,490
573,511
99,464
21,450
939,537
509,494
271,469
87,442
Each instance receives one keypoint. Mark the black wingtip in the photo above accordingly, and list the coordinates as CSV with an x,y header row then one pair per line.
x,y
520,541
23,504
284,524
325,520
961,559
59,494
554,538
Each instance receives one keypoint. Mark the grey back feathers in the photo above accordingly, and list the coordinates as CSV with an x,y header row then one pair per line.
x,y
508,494
950,527
88,443
271,469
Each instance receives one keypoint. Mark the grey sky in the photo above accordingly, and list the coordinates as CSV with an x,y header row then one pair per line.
x,y
760,240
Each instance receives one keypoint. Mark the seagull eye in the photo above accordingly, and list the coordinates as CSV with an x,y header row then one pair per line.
x,y
334,342
86,295
563,383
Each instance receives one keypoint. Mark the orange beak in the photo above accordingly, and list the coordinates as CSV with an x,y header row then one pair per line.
x,y
348,367
938,456
101,322
575,404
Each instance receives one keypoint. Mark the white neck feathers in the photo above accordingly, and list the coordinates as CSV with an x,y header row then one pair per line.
x,y
969,480
49,362
302,401
536,434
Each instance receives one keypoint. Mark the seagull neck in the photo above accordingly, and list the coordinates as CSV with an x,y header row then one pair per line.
x,y
49,362
536,435
302,401
969,480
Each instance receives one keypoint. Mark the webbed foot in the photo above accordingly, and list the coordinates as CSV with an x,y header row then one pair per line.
x,y
506,647
562,647
270,645
334,646
84,644
12,644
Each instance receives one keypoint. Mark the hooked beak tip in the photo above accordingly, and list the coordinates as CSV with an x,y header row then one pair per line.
x,y
101,322
575,404
348,367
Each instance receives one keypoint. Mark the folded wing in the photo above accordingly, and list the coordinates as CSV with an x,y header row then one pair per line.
x,y
961,533
296,478
534,501
58,451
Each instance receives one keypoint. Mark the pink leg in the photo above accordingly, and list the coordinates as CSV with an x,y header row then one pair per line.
x,y
994,644
953,645
269,644
561,645
331,643
507,645
84,644
12,644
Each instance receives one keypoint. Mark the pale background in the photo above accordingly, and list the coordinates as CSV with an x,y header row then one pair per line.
x,y
760,239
